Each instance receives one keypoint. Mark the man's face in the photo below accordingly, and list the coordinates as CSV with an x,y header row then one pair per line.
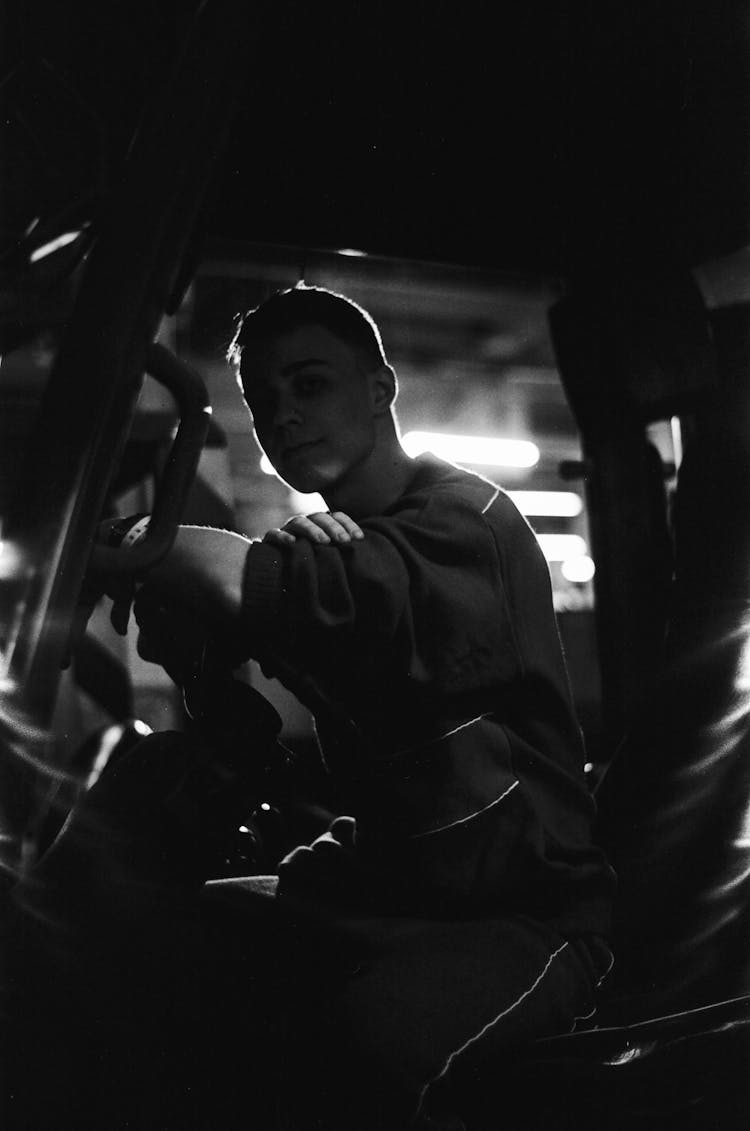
x,y
312,408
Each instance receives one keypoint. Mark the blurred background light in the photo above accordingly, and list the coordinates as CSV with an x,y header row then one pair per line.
x,y
53,245
11,561
676,428
484,450
306,504
551,504
562,547
580,569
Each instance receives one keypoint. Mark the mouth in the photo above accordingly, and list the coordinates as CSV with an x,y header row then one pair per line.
x,y
296,449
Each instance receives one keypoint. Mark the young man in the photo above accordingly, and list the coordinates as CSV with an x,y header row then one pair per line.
x,y
457,905
415,620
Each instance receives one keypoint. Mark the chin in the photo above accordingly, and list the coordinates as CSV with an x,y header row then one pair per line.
x,y
310,484
308,478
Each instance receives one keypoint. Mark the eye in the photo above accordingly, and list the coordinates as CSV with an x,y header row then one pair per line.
x,y
308,384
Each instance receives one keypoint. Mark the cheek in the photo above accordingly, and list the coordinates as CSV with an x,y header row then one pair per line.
x,y
353,419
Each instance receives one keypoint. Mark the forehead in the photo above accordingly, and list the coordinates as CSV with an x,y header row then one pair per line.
x,y
290,352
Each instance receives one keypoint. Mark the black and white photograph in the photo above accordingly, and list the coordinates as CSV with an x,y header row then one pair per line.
x,y
374,566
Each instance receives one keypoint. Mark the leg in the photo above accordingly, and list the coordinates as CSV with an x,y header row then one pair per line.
x,y
139,998
441,999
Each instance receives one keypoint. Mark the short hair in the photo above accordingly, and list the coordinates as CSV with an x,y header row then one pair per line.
x,y
303,306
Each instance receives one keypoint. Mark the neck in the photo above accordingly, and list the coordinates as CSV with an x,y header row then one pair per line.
x,y
377,482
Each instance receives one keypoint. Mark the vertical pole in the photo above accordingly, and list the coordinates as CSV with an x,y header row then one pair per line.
x,y
96,377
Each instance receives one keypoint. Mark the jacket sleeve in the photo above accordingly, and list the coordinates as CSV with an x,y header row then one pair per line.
x,y
422,593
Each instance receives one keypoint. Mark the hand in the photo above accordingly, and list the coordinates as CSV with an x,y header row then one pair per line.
x,y
93,589
192,595
175,636
322,528
168,635
122,591
121,588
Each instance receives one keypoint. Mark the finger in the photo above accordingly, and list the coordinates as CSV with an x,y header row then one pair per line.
x,y
348,524
279,538
329,523
120,614
337,525
330,526
122,591
306,526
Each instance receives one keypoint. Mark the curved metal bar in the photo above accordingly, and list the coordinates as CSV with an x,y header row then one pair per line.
x,y
189,390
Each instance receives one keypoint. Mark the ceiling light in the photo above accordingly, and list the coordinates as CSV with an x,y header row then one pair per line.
x,y
579,570
11,561
550,504
54,245
485,450
562,547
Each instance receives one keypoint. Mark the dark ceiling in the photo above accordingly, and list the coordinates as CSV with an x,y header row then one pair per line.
x,y
529,137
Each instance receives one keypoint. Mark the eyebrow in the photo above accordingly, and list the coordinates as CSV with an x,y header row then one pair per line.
x,y
296,366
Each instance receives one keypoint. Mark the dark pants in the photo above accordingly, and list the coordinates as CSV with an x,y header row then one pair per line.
x,y
145,1003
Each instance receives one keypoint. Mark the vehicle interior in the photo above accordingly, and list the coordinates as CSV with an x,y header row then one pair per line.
x,y
547,212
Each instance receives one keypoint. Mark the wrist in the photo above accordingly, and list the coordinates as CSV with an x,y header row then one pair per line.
x,y
124,532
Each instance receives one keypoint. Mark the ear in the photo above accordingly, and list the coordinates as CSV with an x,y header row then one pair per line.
x,y
383,388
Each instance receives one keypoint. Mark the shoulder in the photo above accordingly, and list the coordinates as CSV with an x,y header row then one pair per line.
x,y
437,482
452,515
480,512
441,490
